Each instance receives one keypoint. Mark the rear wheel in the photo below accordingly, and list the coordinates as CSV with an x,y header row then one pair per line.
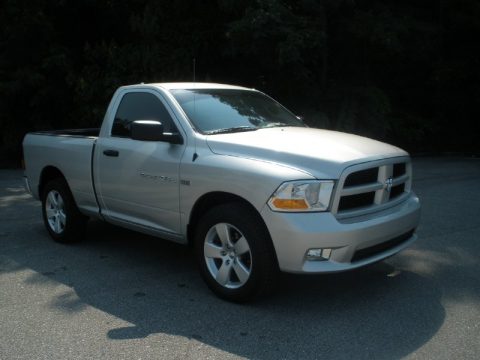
x,y
63,220
234,253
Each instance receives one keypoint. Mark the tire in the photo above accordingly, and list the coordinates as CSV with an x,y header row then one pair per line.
x,y
61,217
235,254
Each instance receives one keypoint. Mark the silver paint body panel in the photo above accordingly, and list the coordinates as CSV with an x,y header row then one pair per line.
x,y
152,186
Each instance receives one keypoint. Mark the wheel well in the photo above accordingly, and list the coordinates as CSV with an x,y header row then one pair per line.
x,y
48,173
210,200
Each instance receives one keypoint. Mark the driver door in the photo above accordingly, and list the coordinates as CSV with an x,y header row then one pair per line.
x,y
138,181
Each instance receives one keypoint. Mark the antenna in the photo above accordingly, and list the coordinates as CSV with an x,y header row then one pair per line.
x,y
194,60
195,155
194,84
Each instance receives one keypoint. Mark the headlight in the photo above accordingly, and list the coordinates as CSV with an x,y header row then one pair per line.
x,y
306,195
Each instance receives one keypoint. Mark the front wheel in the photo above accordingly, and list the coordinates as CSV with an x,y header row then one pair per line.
x,y
61,216
234,253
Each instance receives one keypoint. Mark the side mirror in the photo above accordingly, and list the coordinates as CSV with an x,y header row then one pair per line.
x,y
152,130
300,117
146,130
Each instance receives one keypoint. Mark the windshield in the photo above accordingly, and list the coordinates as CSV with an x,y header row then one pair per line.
x,y
214,111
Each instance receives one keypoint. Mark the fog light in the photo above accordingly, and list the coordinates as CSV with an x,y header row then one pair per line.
x,y
319,254
326,253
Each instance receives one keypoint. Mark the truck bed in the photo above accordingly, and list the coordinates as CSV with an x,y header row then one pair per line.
x,y
68,150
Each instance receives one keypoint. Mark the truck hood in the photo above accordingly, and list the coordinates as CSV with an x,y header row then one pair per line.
x,y
322,153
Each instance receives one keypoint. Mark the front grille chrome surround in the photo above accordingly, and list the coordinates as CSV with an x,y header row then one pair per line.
x,y
390,187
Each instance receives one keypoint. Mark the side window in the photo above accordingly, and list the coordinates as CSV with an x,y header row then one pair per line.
x,y
140,106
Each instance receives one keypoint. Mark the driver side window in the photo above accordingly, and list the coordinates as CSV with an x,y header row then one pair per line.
x,y
140,106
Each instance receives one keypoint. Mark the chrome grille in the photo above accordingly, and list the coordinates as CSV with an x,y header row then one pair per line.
x,y
372,187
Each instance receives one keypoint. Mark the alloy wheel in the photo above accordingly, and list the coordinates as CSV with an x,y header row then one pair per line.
x,y
55,211
227,255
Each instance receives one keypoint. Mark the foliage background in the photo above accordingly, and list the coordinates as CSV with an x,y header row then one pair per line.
x,y
406,72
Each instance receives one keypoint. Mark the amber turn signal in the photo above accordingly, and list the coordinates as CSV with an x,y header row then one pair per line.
x,y
290,204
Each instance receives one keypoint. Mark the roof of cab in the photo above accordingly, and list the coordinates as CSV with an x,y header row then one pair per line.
x,y
190,85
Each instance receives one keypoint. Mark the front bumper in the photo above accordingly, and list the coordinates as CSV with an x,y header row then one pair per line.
x,y
293,234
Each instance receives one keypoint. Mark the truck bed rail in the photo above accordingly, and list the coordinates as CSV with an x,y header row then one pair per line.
x,y
90,132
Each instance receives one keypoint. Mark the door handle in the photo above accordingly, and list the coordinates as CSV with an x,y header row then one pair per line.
x,y
113,153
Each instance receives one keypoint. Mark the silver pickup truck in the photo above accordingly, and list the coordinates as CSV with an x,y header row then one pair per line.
x,y
232,172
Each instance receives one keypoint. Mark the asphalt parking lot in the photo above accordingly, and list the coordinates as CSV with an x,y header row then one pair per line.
x,y
121,295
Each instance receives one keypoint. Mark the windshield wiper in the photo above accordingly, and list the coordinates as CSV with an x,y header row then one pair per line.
x,y
276,124
231,130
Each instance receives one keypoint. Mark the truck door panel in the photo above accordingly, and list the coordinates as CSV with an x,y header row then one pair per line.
x,y
137,181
